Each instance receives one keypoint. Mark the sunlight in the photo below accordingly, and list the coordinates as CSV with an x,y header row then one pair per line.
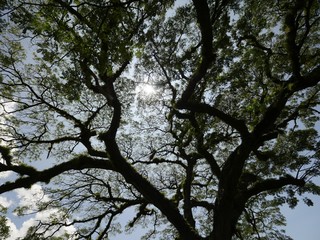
x,y
145,89
148,89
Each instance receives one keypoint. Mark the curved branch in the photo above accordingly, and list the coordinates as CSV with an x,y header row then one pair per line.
x,y
34,176
150,193
187,185
237,124
293,85
203,17
208,206
291,35
74,12
271,184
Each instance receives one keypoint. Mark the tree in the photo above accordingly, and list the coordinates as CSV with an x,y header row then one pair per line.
x,y
4,229
227,137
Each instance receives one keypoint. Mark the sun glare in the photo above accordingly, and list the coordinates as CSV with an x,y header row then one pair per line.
x,y
145,89
148,89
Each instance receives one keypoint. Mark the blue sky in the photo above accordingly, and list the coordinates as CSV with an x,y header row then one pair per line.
x,y
303,222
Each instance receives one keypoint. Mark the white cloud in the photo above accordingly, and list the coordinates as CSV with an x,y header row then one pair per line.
x,y
43,216
6,106
30,198
5,202
5,174
14,232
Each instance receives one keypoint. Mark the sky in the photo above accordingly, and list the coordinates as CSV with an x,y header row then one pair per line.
x,y
25,197
303,222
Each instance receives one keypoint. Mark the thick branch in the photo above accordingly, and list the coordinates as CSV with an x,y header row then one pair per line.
x,y
295,84
227,208
150,193
208,206
309,80
271,184
291,35
74,12
203,17
6,155
272,113
187,209
119,71
237,124
46,175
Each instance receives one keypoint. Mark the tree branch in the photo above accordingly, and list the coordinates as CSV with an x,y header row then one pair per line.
x,y
34,176
203,17
187,208
150,193
271,184
294,84
237,124
291,35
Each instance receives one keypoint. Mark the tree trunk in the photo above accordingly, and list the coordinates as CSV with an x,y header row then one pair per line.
x,y
226,216
230,201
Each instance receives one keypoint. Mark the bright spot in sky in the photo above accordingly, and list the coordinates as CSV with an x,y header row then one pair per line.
x,y
148,89
145,89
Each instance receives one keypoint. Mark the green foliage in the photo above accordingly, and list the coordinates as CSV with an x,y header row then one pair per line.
x,y
4,228
31,235
229,134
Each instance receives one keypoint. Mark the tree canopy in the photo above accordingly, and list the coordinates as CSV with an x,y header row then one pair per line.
x,y
228,133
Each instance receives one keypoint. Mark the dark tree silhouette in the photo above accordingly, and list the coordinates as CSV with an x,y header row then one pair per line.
x,y
227,136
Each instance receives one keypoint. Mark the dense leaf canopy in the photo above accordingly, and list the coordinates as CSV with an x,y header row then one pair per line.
x,y
227,133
